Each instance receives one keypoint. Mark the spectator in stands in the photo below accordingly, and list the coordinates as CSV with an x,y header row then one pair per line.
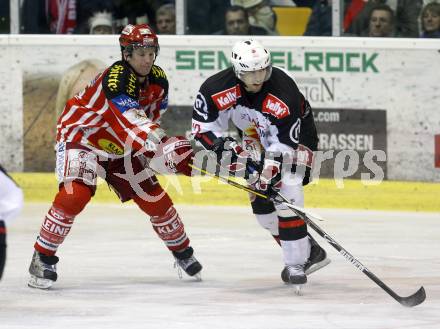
x,y
293,3
357,15
205,17
4,17
48,16
430,19
282,3
260,14
320,20
237,23
306,3
166,19
86,9
381,22
134,12
101,23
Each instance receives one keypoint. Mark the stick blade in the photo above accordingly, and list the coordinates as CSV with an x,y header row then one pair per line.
x,y
415,299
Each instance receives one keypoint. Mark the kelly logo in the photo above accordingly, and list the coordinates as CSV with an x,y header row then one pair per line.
x,y
226,98
275,106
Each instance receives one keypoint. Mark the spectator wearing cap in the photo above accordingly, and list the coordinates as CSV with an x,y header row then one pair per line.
x,y
260,14
101,23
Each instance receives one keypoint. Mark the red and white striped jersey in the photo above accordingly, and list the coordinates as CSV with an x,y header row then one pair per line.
x,y
115,112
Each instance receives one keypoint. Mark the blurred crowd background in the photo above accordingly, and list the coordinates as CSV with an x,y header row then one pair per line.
x,y
365,18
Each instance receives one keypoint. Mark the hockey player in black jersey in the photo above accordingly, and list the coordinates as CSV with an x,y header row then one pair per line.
x,y
11,203
278,135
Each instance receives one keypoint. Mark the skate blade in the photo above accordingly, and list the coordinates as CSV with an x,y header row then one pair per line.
x,y
317,266
297,289
197,277
39,283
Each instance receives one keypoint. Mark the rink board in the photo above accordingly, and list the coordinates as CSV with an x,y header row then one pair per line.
x,y
353,78
325,193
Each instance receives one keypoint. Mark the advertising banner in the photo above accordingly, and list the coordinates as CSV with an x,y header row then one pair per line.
x,y
386,92
360,131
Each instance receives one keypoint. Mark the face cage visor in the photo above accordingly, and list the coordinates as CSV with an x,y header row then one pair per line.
x,y
129,49
255,77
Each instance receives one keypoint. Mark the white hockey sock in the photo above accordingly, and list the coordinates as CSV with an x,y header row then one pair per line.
x,y
296,252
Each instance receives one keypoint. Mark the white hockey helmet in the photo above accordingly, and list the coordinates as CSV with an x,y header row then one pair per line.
x,y
249,56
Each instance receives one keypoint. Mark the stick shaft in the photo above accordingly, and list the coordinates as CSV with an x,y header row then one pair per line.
x,y
410,301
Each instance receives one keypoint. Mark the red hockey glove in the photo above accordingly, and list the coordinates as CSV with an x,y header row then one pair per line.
x,y
268,179
173,155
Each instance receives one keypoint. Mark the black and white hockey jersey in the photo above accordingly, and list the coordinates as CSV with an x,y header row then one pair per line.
x,y
278,115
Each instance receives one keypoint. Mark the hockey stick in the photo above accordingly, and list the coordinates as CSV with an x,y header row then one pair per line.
x,y
247,189
415,299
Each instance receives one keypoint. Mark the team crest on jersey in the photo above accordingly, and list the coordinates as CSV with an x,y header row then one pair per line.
x,y
227,98
275,106
200,106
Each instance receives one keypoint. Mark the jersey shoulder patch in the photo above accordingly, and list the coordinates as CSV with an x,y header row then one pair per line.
x,y
158,76
223,89
119,79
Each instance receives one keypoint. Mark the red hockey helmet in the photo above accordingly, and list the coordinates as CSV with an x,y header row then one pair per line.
x,y
140,35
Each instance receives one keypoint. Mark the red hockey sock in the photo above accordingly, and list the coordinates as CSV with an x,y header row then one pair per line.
x,y
59,219
165,219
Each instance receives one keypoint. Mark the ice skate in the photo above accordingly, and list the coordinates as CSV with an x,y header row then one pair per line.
x,y
43,271
186,261
294,275
318,257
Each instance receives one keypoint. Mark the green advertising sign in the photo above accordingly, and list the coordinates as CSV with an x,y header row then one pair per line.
x,y
312,61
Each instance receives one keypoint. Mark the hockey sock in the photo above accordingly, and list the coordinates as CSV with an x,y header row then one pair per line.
x,y
2,247
170,229
270,223
59,219
165,219
291,228
293,238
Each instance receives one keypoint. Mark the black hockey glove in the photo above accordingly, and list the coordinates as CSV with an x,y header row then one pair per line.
x,y
233,157
267,180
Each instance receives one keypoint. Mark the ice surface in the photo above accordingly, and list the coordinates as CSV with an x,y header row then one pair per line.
x,y
115,273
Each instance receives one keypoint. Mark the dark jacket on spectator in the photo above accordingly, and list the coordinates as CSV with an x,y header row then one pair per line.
x,y
406,18
253,30
320,20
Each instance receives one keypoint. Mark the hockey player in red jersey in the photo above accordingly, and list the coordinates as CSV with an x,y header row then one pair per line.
x,y
111,130
279,136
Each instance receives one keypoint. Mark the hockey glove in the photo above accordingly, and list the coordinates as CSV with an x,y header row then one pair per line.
x,y
233,157
268,179
173,155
